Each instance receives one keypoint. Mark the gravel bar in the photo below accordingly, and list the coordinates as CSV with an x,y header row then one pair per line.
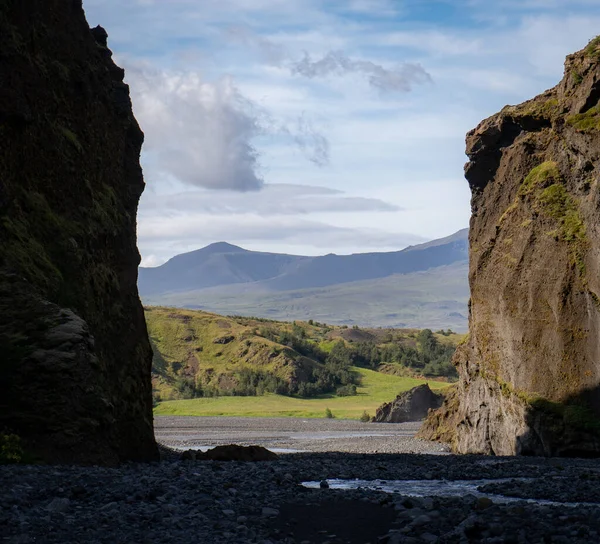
x,y
293,434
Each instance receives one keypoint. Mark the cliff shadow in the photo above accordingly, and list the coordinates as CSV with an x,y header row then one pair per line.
x,y
563,429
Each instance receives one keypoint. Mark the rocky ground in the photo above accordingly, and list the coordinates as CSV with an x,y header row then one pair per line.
x,y
295,434
527,500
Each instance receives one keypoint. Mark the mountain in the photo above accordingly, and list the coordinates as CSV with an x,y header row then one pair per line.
x,y
225,264
421,286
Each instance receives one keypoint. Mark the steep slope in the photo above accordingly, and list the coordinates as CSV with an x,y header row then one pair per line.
x,y
530,371
225,264
75,359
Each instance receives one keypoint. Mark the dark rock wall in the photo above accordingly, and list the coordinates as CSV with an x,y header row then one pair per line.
x,y
75,359
530,370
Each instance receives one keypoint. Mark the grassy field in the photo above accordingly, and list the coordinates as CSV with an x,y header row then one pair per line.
x,y
376,388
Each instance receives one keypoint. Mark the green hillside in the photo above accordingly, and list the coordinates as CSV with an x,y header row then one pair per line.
x,y
375,389
203,355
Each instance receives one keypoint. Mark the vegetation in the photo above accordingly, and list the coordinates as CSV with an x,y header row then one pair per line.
x,y
11,450
539,175
197,355
375,388
587,121
552,199
593,48
427,356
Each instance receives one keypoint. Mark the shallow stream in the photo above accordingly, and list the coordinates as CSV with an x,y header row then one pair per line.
x,y
436,488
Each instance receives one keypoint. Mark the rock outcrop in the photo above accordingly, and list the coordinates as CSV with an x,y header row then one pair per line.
x,y
75,359
530,369
411,405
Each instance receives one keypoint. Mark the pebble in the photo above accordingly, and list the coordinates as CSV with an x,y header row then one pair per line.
x,y
167,502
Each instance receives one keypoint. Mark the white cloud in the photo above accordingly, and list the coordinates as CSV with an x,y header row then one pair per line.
x,y
383,150
199,132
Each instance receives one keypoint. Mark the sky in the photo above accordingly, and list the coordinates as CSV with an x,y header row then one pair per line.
x,y
322,126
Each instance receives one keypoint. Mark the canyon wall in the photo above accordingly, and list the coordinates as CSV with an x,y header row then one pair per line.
x,y
75,359
530,367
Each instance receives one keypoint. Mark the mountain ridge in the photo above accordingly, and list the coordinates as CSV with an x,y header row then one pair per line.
x,y
222,263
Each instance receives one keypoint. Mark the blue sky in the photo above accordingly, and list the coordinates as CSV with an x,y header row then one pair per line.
x,y
323,126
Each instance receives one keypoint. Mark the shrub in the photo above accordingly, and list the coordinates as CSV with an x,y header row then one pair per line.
x,y
11,450
365,418
346,390
329,414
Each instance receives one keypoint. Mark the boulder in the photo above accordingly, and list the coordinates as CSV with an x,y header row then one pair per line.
x,y
231,452
411,405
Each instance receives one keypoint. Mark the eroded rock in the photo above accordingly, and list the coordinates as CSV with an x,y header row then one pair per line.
x,y
74,353
411,405
530,371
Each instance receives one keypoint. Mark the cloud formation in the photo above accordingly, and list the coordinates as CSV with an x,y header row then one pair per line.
x,y
199,132
399,79
273,200
334,63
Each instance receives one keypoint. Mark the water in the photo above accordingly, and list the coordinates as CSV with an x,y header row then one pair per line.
x,y
436,488
206,448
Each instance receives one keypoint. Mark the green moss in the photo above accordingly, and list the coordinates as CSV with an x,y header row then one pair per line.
x,y
593,48
576,77
551,198
11,450
538,176
588,121
71,138
576,416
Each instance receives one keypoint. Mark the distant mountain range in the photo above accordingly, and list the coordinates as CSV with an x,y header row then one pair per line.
x,y
420,286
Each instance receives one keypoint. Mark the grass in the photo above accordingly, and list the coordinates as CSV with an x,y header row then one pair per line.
x,y
539,175
588,121
375,389
593,48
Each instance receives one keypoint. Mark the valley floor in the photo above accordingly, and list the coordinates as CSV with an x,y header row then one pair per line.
x,y
292,434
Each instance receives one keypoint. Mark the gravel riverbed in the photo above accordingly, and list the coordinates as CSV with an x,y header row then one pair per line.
x,y
296,434
237,502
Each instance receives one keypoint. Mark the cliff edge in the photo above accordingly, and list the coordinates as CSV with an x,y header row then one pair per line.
x,y
530,369
75,359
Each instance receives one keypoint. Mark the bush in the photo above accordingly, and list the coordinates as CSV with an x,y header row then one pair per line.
x,y
365,418
329,414
346,390
11,450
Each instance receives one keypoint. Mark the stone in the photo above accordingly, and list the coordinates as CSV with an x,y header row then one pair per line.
x,y
71,322
58,505
266,511
529,377
411,405
233,452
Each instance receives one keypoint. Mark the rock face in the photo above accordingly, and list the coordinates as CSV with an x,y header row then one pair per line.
x,y
530,369
74,354
411,405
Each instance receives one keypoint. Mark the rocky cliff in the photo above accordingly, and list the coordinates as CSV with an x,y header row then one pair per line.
x,y
74,353
530,370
